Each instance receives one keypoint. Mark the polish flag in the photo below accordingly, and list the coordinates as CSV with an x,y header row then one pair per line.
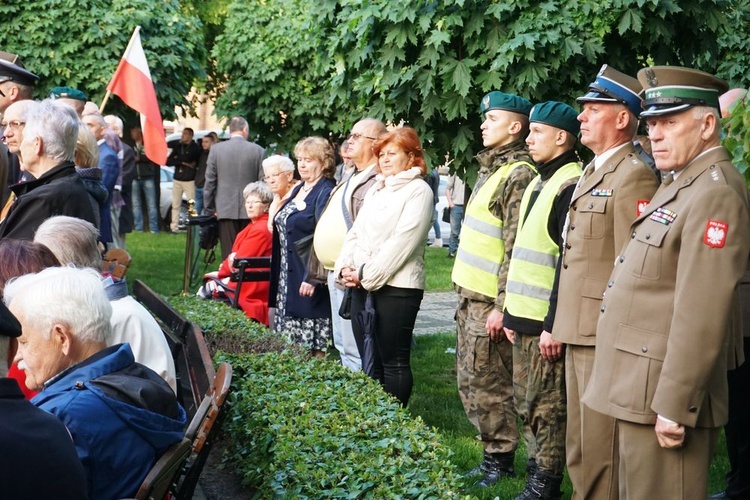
x,y
133,84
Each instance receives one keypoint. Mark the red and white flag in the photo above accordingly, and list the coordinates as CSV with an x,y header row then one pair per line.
x,y
132,83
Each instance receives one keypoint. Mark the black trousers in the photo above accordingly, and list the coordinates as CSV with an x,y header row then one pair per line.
x,y
738,429
396,311
228,229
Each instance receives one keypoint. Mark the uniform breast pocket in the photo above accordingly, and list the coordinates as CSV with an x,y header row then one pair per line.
x,y
646,252
592,216
639,357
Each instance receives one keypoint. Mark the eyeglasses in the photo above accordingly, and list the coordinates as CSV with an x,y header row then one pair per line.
x,y
356,137
13,124
254,202
276,175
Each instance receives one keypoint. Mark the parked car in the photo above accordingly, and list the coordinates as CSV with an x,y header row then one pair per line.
x,y
165,200
445,227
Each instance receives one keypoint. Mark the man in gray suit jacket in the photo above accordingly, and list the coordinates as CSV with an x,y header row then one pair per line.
x,y
231,166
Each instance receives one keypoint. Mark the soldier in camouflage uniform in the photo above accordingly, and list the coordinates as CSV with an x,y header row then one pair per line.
x,y
484,360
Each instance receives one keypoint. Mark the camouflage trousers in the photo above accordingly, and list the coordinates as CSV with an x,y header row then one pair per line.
x,y
484,372
539,391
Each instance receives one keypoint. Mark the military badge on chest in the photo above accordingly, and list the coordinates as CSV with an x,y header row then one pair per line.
x,y
663,216
716,233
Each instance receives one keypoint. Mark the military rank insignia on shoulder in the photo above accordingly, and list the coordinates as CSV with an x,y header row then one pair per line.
x,y
716,233
663,216
603,192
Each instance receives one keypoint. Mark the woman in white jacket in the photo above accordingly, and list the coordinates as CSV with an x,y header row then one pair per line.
x,y
384,254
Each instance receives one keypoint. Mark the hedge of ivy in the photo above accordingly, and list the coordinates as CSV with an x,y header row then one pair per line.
x,y
308,428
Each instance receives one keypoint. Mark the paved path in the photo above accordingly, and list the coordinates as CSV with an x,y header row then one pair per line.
x,y
436,313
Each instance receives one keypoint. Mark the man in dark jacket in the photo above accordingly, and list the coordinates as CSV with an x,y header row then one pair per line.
x,y
38,458
47,152
122,415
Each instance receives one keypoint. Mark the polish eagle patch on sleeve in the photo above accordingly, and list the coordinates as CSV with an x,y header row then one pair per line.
x,y
716,233
640,206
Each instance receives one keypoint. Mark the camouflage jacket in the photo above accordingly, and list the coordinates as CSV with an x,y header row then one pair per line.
x,y
505,204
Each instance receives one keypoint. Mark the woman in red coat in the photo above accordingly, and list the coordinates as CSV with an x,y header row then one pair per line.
x,y
253,241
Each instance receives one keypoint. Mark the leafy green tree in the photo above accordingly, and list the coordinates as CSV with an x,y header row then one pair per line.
x,y
297,68
80,42
274,57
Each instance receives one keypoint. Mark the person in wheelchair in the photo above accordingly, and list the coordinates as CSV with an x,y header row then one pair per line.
x,y
253,241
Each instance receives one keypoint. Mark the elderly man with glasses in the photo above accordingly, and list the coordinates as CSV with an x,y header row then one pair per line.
x,y
16,85
336,220
47,149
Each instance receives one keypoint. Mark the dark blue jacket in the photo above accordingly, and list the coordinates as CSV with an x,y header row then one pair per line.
x,y
38,459
110,166
122,417
300,224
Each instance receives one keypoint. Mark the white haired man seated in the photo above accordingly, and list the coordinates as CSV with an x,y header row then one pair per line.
x,y
34,443
122,416
74,241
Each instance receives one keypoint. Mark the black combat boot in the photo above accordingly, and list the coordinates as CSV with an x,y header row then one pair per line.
x,y
541,486
495,467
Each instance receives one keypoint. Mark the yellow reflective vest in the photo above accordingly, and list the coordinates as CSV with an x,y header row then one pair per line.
x,y
481,250
531,274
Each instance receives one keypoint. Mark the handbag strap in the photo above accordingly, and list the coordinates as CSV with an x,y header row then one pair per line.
x,y
344,210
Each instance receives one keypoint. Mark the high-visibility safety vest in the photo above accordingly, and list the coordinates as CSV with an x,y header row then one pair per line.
x,y
531,273
481,250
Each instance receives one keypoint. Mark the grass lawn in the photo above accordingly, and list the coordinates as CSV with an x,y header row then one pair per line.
x,y
158,261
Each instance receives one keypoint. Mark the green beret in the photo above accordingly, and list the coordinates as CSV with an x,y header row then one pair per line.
x,y
556,114
67,93
505,102
672,89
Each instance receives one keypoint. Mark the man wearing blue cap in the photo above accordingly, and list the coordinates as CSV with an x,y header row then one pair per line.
x,y
662,341
484,360
615,187
531,294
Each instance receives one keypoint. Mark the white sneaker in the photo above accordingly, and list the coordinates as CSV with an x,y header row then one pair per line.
x,y
438,243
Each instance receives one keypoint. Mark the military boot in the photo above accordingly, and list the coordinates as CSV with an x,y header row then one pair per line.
x,y
541,486
498,466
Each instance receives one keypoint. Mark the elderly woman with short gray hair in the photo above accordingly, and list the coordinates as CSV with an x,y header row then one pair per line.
x,y
253,241
278,171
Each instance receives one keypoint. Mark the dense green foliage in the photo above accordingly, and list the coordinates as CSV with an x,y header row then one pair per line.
x,y
80,42
737,139
229,330
316,430
296,68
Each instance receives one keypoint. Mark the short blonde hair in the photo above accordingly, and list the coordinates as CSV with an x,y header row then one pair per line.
x,y
87,150
320,149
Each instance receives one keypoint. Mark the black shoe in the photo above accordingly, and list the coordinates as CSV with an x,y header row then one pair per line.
x,y
495,467
541,486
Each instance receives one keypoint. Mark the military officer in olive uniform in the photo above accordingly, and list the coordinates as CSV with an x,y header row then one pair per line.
x,y
663,331
616,186
484,359
531,292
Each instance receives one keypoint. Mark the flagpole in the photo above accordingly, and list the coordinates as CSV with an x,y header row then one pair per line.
x,y
127,51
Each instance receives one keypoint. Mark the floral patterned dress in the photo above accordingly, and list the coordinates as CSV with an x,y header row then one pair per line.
x,y
315,333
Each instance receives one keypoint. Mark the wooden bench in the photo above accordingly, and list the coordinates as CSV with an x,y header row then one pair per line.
x,y
193,364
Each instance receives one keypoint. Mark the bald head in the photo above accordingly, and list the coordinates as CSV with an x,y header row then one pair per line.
x,y
729,99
